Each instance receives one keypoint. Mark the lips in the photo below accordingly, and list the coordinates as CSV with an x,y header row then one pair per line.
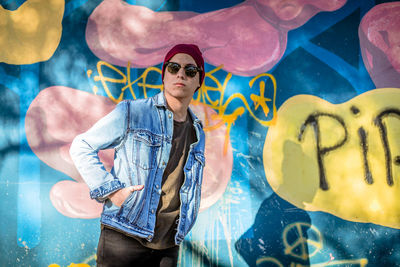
x,y
179,84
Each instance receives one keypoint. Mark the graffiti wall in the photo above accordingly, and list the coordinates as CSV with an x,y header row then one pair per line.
x,y
300,106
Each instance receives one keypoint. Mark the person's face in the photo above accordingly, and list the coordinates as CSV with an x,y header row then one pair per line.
x,y
179,85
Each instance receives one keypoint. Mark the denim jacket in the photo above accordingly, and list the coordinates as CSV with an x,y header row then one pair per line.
x,y
140,132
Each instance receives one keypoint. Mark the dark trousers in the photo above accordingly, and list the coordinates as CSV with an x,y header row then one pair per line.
x,y
117,249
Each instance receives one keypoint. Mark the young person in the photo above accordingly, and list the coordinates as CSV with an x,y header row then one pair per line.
x,y
152,194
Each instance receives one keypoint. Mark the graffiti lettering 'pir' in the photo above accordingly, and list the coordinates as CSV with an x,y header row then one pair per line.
x,y
343,159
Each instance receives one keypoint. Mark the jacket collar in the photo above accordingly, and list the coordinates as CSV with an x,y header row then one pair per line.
x,y
160,101
194,118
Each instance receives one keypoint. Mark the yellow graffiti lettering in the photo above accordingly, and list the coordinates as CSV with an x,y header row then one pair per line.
x,y
211,96
356,262
104,80
269,260
71,265
85,263
125,79
303,242
343,159
260,100
221,105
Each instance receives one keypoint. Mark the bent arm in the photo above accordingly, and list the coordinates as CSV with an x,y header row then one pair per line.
x,y
108,132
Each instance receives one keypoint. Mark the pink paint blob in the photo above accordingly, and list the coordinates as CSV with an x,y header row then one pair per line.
x,y
218,169
247,39
54,118
379,33
71,199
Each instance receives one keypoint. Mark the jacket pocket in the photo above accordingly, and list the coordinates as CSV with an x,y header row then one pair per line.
x,y
127,204
145,148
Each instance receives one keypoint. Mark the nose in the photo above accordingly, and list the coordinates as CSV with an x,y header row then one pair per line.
x,y
181,73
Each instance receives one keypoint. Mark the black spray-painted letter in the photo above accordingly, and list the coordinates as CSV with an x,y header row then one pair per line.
x,y
322,151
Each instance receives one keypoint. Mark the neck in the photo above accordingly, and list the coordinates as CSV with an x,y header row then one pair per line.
x,y
178,106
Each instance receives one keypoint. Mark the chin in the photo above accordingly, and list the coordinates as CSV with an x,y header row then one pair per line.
x,y
179,93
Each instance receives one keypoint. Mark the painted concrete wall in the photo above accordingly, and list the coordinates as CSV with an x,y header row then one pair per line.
x,y
301,108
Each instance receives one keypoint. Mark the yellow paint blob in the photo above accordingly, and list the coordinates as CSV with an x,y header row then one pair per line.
x,y
71,265
343,159
31,33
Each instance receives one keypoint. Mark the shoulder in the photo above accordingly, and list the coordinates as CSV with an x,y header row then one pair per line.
x,y
138,104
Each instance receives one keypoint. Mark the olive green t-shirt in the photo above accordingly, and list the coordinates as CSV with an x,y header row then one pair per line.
x,y
169,206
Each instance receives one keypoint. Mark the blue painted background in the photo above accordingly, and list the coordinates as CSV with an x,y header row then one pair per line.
x,y
34,233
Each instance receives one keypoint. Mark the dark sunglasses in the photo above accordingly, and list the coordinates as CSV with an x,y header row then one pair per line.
x,y
190,70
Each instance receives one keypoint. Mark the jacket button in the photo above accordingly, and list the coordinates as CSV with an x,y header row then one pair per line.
x,y
157,186
152,211
169,115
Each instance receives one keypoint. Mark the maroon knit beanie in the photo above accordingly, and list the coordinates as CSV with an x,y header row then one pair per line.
x,y
190,49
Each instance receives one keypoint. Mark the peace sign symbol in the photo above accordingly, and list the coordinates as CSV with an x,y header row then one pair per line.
x,y
307,237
